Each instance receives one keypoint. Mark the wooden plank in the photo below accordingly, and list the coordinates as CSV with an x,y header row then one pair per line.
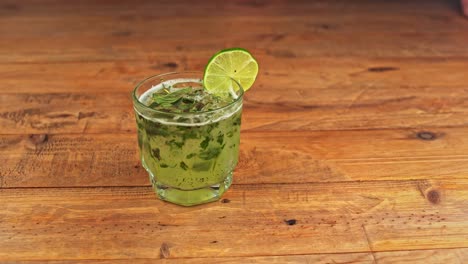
x,y
308,75
113,113
385,184
333,45
71,161
122,223
456,256
273,157
275,27
339,95
356,258
89,32
436,256
56,8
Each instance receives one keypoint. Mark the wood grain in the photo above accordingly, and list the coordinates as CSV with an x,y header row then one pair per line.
x,y
353,147
95,98
358,258
456,256
106,223
119,31
303,74
41,160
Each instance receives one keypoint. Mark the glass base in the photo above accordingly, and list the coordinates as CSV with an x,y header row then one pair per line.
x,y
192,197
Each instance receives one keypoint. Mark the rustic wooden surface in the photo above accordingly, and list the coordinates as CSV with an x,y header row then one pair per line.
x,y
354,143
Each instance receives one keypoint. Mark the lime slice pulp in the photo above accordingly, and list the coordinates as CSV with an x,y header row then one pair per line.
x,y
226,68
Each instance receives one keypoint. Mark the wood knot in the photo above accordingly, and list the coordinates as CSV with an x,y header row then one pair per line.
x,y
82,115
11,7
382,69
123,33
254,3
426,135
225,200
164,251
171,65
433,196
127,17
37,139
290,221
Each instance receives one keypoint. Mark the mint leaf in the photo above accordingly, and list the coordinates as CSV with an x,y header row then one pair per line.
x,y
220,138
237,121
186,100
202,166
191,155
205,142
183,165
171,98
156,153
175,144
210,153
190,133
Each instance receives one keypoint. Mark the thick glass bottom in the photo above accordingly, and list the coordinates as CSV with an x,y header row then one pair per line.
x,y
191,197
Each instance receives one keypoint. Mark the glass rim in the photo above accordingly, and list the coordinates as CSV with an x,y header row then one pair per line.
x,y
136,100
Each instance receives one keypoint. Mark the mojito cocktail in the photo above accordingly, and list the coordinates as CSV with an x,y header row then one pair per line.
x,y
188,138
189,127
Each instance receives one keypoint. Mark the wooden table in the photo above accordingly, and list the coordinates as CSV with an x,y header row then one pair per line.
x,y
354,138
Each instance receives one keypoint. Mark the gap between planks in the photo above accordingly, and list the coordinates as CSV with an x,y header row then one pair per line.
x,y
250,256
416,181
255,130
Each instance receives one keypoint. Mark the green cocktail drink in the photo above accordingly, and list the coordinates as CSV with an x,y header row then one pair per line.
x,y
188,138
189,127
